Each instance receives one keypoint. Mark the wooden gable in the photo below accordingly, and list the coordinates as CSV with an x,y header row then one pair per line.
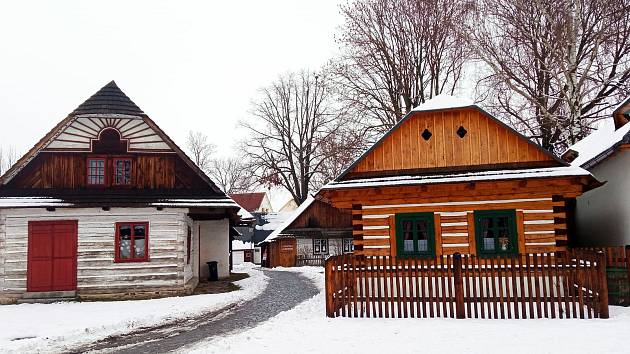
x,y
320,215
448,140
108,126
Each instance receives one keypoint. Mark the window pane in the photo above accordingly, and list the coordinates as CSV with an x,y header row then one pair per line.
x,y
124,233
502,221
488,239
139,230
407,226
122,173
139,246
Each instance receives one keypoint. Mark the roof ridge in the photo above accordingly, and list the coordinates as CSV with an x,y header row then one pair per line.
x,y
109,99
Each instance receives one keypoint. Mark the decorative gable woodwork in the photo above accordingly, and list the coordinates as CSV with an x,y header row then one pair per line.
x,y
461,139
129,152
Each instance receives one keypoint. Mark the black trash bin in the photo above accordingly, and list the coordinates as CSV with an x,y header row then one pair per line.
x,y
213,271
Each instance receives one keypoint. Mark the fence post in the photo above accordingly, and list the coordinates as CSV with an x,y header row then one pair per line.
x,y
459,286
328,264
603,291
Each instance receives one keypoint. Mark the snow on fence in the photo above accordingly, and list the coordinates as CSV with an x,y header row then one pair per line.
x,y
562,285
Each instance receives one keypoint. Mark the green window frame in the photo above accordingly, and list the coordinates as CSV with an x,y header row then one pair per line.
x,y
496,233
415,235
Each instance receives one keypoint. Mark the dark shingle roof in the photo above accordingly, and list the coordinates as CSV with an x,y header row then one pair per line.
x,y
109,100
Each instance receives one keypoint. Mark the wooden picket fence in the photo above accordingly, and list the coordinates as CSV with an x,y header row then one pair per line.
x,y
617,273
562,285
310,260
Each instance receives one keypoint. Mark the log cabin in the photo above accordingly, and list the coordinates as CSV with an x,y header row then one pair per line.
x,y
106,205
451,178
603,215
316,229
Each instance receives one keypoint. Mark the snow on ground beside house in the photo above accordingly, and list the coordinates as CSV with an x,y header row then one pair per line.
x,y
51,327
305,329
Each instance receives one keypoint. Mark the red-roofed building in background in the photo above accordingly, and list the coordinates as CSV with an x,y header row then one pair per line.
x,y
253,202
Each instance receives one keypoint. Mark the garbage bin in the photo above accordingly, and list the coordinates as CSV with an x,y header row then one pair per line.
x,y
213,271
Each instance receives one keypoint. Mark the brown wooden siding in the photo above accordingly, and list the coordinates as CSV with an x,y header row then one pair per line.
x,y
68,171
322,215
486,143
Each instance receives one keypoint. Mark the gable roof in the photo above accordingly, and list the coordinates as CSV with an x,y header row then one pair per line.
x,y
249,201
448,103
108,101
603,142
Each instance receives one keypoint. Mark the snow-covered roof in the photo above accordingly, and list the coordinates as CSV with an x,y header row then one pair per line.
x,y
443,101
224,202
31,202
238,245
461,177
600,142
292,216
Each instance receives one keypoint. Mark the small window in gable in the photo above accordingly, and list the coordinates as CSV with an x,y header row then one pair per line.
x,y
461,132
96,171
426,135
122,171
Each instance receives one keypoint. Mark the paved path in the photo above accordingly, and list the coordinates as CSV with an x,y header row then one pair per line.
x,y
284,291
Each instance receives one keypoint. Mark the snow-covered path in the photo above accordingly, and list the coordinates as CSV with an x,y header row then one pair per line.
x,y
51,328
284,291
306,329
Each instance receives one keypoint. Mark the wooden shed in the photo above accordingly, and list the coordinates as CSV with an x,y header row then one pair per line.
x,y
450,177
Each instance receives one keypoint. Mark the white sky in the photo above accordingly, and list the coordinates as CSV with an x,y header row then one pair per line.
x,y
188,64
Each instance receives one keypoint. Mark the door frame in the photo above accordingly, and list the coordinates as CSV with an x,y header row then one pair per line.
x,y
75,234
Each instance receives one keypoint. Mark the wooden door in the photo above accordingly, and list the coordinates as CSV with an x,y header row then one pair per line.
x,y
287,250
52,256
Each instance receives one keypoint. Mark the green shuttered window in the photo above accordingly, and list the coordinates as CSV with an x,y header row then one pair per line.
x,y
415,235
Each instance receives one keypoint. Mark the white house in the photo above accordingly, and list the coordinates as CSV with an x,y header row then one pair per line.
x,y
107,205
603,214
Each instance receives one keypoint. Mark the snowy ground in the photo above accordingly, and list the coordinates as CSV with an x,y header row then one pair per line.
x,y
51,327
305,329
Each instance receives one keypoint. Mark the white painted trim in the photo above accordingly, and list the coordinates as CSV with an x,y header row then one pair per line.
x,y
382,237
536,211
472,202
377,216
538,222
454,223
379,227
539,232
454,234
456,213
540,243
452,245
376,247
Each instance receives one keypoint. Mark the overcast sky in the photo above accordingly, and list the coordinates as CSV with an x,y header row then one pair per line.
x,y
188,64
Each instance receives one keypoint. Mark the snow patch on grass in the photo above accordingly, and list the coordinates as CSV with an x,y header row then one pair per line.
x,y
306,329
53,327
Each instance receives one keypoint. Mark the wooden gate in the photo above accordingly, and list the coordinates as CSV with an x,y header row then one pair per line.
x,y
52,256
563,285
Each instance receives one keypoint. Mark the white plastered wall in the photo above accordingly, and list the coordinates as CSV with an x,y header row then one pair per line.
x,y
603,214
214,246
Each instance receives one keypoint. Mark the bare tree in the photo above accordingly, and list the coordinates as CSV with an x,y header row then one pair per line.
x,y
231,175
8,156
296,130
201,150
555,67
398,54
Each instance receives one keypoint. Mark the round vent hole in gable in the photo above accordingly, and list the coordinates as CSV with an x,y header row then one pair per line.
x,y
426,134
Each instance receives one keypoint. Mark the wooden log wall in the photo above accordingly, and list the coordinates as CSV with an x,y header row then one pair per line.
x,y
540,206
96,270
455,228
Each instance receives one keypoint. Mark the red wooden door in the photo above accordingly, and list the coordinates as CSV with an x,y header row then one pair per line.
x,y
52,256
